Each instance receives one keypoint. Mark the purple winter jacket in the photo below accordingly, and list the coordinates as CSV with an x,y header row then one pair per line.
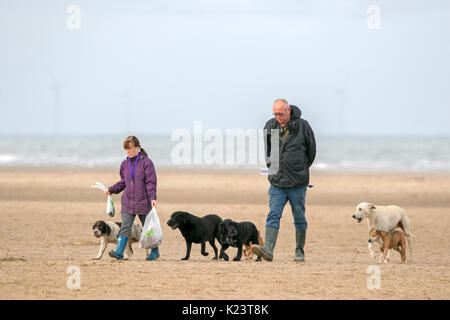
x,y
136,199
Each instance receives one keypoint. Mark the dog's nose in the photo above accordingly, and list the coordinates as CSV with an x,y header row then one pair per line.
x,y
353,216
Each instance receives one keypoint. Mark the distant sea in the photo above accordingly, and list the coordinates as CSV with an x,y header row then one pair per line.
x,y
333,152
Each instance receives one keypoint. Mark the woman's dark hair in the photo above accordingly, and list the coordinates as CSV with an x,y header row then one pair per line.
x,y
135,141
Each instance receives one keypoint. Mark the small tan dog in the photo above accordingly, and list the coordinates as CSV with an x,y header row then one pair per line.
x,y
247,249
394,239
379,242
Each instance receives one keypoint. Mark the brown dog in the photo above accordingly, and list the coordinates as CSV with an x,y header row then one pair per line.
x,y
248,254
394,239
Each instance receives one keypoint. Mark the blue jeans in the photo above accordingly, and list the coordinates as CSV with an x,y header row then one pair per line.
x,y
278,199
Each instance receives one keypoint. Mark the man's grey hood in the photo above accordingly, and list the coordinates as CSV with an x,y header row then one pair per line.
x,y
294,123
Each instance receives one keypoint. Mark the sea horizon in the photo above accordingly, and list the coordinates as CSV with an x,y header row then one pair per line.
x,y
334,152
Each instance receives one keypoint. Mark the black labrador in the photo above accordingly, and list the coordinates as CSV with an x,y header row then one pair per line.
x,y
197,230
237,234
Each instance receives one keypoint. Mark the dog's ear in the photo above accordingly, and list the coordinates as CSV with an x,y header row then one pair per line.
x,y
107,229
222,228
372,206
183,217
225,225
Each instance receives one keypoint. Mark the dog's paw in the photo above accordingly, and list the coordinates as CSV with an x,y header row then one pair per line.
x,y
185,258
236,259
225,257
96,258
205,253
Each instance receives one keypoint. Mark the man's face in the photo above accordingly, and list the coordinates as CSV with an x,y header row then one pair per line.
x,y
282,113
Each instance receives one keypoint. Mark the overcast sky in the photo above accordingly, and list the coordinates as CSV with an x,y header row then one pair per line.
x,y
150,67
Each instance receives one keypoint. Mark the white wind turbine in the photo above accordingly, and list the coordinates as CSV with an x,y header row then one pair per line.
x,y
344,103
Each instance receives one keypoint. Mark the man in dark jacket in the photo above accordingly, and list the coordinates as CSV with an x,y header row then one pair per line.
x,y
288,181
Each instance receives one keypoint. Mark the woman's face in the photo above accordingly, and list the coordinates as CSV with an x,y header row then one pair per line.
x,y
132,151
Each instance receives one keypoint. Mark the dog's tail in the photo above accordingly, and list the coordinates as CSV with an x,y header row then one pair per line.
x,y
408,240
405,225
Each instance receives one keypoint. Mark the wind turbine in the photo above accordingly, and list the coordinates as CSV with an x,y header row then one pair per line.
x,y
344,103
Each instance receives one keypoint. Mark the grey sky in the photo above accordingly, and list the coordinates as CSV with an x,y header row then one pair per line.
x,y
224,62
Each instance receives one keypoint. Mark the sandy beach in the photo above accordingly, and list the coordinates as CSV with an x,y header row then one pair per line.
x,y
47,216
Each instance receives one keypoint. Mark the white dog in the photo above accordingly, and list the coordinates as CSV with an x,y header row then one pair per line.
x,y
384,218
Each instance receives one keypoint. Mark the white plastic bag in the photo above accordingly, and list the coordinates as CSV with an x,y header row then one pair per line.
x,y
110,211
151,236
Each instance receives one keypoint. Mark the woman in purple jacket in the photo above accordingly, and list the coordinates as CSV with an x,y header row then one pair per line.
x,y
138,179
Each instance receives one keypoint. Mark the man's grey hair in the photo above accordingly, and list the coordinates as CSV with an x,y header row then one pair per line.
x,y
282,100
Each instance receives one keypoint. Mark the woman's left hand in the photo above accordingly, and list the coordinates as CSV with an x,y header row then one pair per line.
x,y
153,203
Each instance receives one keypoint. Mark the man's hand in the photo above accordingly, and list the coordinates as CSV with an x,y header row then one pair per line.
x,y
153,203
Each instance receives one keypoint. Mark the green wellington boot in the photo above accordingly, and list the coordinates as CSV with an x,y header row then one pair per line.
x,y
266,252
300,236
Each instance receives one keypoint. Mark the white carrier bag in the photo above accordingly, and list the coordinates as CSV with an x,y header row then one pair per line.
x,y
110,211
151,236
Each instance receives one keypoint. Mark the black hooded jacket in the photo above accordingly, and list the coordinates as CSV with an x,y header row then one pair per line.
x,y
297,152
